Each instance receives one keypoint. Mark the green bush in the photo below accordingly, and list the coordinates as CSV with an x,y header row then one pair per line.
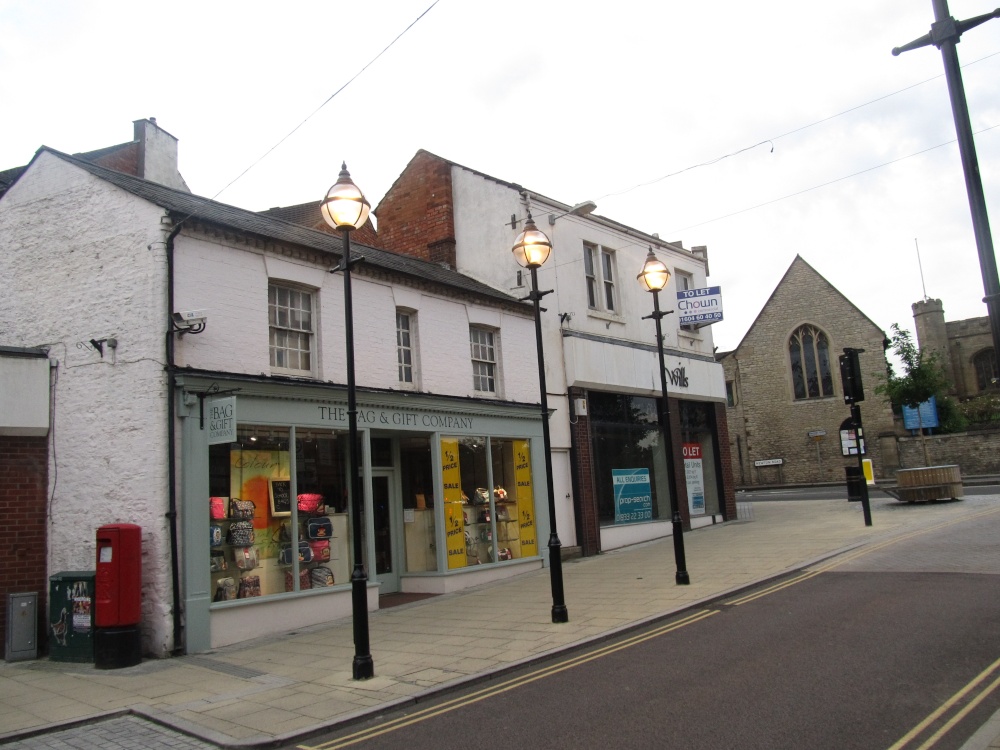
x,y
981,410
950,415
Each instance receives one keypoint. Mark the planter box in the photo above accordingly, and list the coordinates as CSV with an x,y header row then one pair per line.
x,y
929,483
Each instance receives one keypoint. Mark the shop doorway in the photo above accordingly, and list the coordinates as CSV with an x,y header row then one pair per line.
x,y
386,508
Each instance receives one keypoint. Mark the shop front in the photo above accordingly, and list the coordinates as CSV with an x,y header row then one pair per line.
x,y
449,501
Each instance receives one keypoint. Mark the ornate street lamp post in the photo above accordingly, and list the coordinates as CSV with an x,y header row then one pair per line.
x,y
654,276
531,250
346,209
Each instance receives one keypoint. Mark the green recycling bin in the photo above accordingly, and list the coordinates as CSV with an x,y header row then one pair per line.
x,y
71,616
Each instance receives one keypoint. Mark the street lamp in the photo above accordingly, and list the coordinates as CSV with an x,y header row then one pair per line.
x,y
531,250
654,276
346,209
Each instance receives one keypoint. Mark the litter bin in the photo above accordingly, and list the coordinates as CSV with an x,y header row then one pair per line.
x,y
71,622
854,480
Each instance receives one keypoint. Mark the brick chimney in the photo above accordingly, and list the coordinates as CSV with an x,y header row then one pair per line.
x,y
417,215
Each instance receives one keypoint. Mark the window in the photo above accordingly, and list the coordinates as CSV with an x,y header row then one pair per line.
x,y
809,356
484,359
730,393
289,313
985,363
685,281
405,330
599,270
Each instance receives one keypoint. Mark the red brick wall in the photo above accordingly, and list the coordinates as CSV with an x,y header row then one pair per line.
x,y
125,159
23,516
588,527
726,460
417,216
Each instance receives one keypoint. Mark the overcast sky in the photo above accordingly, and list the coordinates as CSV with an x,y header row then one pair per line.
x,y
578,101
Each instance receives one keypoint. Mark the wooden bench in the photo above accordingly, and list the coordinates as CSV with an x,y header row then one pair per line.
x,y
927,483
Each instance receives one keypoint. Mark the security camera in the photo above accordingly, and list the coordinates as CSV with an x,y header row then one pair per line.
x,y
189,321
190,318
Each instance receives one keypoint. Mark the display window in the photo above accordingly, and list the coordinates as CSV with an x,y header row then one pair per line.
x,y
418,504
489,500
629,461
272,532
697,435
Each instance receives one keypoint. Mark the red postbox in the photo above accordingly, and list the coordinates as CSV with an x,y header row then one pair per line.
x,y
118,588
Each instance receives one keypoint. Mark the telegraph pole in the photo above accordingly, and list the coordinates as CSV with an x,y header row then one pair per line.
x,y
945,33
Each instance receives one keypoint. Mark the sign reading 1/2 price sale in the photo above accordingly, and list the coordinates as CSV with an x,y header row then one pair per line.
x,y
633,496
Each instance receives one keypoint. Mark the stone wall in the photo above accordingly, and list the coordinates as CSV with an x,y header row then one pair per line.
x,y
975,452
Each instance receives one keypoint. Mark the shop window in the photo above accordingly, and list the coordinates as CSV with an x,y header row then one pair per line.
x,y
271,532
628,457
600,275
290,321
417,482
406,323
489,500
697,420
985,364
809,358
484,359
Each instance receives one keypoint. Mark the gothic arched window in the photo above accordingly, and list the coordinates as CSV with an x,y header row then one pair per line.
x,y
985,363
809,356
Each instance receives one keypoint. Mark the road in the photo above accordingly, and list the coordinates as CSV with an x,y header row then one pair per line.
x,y
852,655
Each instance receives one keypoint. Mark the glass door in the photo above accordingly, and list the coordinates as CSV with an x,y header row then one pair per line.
x,y
385,509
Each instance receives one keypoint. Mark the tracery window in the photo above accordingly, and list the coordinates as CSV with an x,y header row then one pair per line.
x,y
985,363
809,357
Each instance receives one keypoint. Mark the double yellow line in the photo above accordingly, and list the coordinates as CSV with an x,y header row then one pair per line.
x,y
503,687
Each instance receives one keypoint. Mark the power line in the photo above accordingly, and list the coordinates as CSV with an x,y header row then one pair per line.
x,y
790,132
328,100
825,184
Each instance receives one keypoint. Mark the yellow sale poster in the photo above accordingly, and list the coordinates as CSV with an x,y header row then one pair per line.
x,y
525,499
454,520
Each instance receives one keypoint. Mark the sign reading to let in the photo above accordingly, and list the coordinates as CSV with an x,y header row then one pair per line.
x,y
699,306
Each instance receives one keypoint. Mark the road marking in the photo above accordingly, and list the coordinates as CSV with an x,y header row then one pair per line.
x,y
948,705
503,687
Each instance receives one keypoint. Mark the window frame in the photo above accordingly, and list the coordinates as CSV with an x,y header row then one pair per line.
x,y
983,361
410,348
485,371
809,363
600,269
305,333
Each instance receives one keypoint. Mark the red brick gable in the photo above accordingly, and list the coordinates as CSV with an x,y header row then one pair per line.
x,y
417,216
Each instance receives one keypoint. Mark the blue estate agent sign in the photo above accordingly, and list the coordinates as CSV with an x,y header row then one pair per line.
x,y
924,415
633,497
700,306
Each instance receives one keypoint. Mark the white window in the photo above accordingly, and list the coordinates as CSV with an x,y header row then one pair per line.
x,y
684,281
406,322
484,359
599,270
290,318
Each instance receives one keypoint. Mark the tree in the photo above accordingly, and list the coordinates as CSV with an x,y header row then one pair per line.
x,y
924,376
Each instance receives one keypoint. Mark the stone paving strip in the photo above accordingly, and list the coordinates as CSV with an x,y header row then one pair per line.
x,y
299,682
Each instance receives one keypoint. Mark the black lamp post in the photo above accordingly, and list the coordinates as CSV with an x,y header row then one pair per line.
x,y
346,209
654,277
531,250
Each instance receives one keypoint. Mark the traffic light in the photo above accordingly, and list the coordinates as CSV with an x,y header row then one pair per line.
x,y
850,376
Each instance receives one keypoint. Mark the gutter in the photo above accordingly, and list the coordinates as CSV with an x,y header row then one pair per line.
x,y
171,514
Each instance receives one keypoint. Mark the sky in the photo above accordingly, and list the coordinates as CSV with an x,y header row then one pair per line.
x,y
763,130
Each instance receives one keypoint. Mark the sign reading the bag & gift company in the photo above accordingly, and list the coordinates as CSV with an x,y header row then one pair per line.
x,y
633,496
221,420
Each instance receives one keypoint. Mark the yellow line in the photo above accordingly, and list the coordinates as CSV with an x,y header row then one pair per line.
x,y
770,590
960,715
940,711
503,687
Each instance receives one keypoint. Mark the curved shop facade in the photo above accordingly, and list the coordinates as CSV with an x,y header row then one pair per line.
x,y
450,500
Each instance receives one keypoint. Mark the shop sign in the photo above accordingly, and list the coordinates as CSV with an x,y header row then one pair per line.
x,y
633,495
695,478
454,518
396,418
700,306
769,462
525,499
222,420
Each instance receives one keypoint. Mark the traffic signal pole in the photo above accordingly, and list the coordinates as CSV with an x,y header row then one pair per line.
x,y
854,391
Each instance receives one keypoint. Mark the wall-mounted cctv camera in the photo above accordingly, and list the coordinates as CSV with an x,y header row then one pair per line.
x,y
190,321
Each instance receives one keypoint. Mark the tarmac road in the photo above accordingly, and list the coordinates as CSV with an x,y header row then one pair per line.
x,y
851,655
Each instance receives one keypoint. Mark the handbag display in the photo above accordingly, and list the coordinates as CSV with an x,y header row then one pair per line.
x,y
218,561
502,513
320,549
505,554
321,577
482,497
247,558
319,528
499,493
484,516
249,587
240,534
305,581
305,554
225,590
215,532
217,508
241,510
310,503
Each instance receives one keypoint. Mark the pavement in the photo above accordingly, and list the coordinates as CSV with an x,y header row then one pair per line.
x,y
290,687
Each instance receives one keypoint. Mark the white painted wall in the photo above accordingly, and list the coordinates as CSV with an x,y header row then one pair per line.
x,y
77,265
24,396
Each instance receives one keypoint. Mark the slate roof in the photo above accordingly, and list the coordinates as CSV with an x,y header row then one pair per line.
x,y
184,205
